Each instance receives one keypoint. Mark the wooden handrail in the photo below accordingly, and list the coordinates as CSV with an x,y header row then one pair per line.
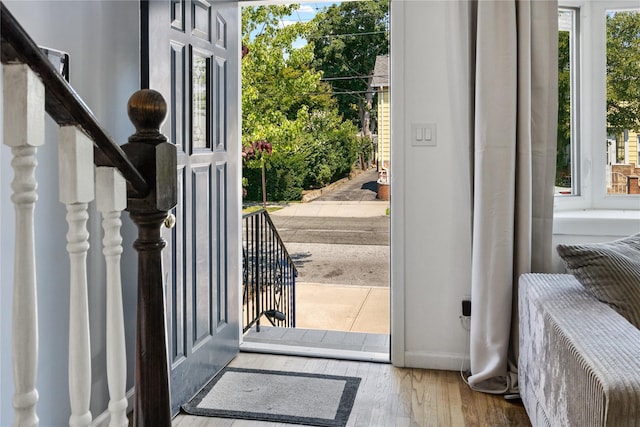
x,y
148,162
62,103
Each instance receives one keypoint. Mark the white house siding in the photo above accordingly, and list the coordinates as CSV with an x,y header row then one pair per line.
x,y
102,40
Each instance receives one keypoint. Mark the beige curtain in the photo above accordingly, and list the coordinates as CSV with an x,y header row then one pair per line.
x,y
514,144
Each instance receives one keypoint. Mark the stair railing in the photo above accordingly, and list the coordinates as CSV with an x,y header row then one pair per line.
x,y
269,274
139,177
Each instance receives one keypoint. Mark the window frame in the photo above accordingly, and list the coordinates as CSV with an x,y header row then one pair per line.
x,y
589,188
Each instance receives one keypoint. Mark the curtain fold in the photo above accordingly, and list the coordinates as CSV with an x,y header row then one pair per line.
x,y
514,145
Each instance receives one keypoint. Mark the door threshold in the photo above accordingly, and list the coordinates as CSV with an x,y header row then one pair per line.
x,y
318,352
325,344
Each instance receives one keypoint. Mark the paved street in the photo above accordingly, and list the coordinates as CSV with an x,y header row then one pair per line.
x,y
334,230
351,249
361,188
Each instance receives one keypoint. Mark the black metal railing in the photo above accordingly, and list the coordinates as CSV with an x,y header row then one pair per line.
x,y
268,274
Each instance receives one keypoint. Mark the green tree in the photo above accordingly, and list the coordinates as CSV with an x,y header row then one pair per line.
x,y
563,154
330,157
347,38
277,78
285,102
623,72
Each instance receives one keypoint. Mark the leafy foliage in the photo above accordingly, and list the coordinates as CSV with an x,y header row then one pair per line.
x,y
623,85
331,156
623,71
347,38
277,79
285,103
563,154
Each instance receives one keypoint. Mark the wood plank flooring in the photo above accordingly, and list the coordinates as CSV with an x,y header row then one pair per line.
x,y
388,396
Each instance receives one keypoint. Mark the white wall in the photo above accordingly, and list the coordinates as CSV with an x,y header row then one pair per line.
x,y
579,227
102,39
431,204
431,201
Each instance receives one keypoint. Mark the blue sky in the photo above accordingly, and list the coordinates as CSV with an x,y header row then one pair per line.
x,y
305,13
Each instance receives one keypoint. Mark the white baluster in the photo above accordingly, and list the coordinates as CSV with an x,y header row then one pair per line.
x,y
75,160
23,132
111,200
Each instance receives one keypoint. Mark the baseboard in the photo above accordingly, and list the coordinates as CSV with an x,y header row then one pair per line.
x,y
436,360
103,419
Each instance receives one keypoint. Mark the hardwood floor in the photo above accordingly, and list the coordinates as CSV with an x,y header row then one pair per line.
x,y
388,396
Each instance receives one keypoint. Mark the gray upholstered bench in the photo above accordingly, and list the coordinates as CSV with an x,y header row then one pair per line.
x,y
579,362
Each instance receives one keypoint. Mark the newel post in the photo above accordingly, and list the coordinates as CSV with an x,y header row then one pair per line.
x,y
155,158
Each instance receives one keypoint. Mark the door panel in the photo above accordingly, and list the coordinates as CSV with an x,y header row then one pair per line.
x,y
202,255
192,59
176,280
222,282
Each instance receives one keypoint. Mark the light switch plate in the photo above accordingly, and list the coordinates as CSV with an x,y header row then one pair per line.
x,y
423,134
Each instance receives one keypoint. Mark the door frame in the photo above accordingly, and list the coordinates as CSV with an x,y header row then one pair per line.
x,y
397,232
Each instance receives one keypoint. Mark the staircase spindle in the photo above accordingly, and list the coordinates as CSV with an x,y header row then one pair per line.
x,y
75,158
111,200
24,132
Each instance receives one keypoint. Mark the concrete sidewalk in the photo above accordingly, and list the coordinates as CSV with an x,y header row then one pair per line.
x,y
341,209
343,308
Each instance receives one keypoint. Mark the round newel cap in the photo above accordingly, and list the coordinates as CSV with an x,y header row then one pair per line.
x,y
147,110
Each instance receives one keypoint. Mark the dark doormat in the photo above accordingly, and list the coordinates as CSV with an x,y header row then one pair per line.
x,y
277,396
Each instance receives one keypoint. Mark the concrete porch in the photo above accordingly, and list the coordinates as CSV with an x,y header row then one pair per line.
x,y
332,321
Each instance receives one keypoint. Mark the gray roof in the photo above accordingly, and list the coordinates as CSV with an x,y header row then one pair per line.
x,y
381,72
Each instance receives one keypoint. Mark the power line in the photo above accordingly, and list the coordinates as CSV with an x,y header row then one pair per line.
x,y
350,92
334,35
354,92
326,79
270,83
348,34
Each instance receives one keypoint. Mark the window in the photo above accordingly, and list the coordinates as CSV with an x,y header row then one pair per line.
x,y
567,102
598,105
623,99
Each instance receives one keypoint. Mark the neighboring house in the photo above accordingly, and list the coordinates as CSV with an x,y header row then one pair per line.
x,y
623,168
432,204
624,149
381,82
